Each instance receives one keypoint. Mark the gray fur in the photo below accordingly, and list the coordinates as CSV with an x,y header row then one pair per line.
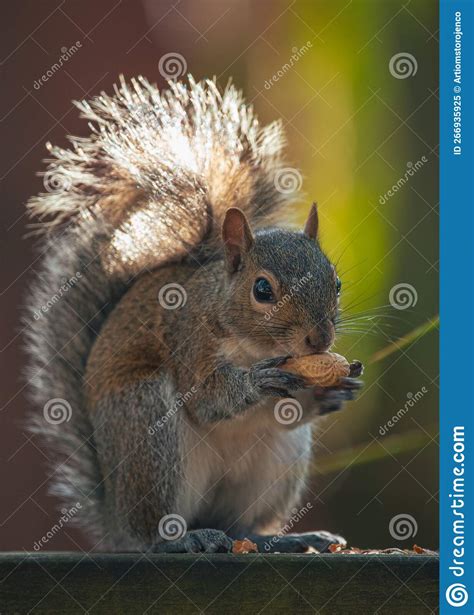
x,y
140,469
129,164
148,188
58,341
205,472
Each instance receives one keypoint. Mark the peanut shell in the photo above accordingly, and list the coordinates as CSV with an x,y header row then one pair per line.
x,y
324,369
244,546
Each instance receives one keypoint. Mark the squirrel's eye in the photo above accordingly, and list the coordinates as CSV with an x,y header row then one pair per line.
x,y
262,290
338,286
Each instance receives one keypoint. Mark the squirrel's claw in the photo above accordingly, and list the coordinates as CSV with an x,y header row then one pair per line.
x,y
350,384
356,369
274,378
267,378
272,362
331,399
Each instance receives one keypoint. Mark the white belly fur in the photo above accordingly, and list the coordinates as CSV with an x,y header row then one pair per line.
x,y
247,472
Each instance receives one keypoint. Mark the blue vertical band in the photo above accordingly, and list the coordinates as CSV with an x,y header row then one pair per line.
x,y
457,306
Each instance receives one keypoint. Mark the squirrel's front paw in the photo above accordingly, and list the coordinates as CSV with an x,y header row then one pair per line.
x,y
331,399
266,378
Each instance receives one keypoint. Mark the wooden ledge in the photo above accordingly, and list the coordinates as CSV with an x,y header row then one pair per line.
x,y
135,583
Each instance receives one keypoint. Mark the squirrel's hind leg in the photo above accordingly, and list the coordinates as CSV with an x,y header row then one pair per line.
x,y
142,465
137,433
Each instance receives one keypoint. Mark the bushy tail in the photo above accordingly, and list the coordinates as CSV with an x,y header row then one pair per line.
x,y
150,185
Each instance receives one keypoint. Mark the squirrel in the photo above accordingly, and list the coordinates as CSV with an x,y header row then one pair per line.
x,y
159,368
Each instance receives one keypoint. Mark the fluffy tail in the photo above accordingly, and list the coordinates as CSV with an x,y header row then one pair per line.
x,y
150,185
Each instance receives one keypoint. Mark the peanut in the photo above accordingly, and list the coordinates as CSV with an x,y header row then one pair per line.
x,y
324,369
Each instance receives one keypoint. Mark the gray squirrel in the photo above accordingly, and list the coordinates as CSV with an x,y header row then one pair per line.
x,y
158,369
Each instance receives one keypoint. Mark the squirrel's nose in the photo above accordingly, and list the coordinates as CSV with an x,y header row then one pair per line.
x,y
320,337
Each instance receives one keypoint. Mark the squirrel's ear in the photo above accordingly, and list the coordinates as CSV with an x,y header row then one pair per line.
x,y
311,226
237,237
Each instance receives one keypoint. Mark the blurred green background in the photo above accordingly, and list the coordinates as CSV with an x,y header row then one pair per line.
x,y
354,130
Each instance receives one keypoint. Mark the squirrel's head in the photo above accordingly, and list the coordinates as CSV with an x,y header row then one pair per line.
x,y
283,290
